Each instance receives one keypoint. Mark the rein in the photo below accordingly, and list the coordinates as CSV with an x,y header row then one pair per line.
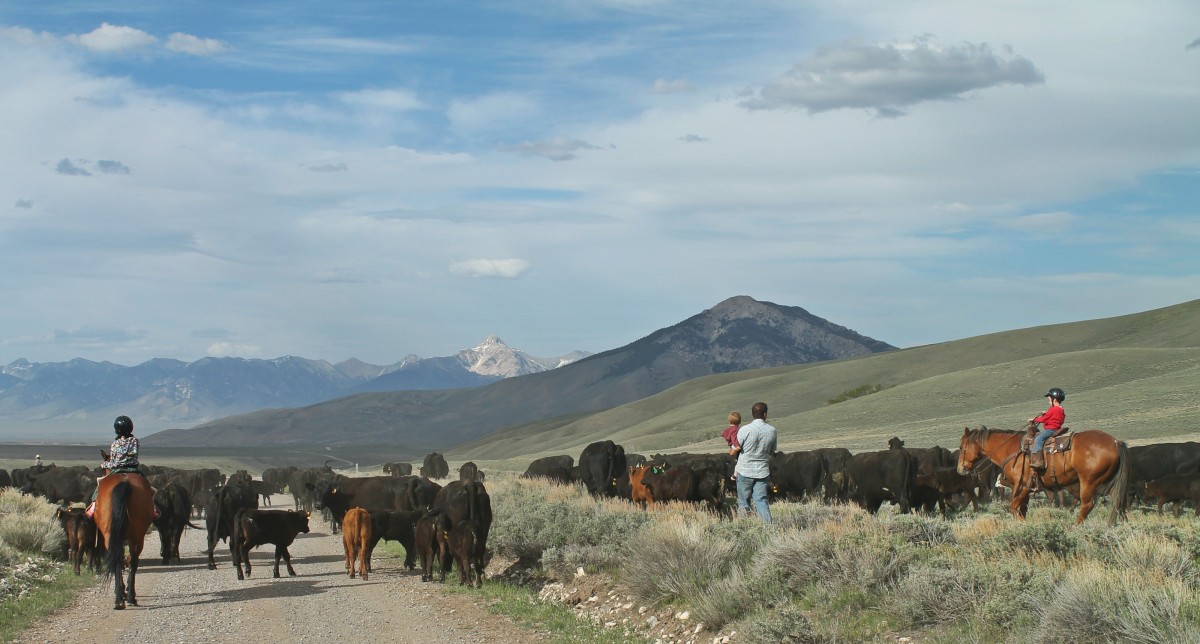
x,y
984,434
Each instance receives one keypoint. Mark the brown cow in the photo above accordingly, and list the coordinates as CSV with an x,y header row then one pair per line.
x,y
638,491
81,537
948,482
356,540
425,539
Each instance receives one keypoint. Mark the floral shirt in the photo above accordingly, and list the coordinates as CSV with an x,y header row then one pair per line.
x,y
123,454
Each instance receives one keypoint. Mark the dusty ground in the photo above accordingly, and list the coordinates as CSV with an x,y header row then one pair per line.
x,y
189,603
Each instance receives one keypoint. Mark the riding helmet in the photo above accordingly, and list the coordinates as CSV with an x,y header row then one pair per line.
x,y
1057,394
123,426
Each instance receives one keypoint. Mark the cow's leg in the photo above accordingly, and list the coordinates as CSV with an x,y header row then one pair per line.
x,y
287,559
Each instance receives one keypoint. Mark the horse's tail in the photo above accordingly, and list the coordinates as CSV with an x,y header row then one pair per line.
x,y
118,515
1119,492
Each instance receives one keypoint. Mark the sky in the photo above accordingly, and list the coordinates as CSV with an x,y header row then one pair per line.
x,y
372,179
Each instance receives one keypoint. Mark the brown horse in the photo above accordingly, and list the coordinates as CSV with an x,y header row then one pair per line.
x,y
124,511
1096,463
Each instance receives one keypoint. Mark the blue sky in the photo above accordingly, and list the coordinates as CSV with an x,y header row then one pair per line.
x,y
377,179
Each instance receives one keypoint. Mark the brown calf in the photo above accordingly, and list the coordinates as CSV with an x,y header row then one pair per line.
x,y
1175,488
81,537
356,540
463,543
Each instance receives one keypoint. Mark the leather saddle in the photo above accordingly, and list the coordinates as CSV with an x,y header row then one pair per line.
x,y
1059,442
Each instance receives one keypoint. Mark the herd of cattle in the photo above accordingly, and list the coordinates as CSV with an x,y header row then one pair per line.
x,y
916,479
442,524
449,524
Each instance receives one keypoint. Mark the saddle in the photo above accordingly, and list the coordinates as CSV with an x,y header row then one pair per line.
x,y
1060,441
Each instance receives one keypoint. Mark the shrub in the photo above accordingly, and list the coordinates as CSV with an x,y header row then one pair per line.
x,y
28,525
1096,603
921,530
862,556
857,392
785,624
677,558
1050,537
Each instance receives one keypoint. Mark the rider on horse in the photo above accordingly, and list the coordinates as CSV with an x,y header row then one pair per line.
x,y
122,454
1052,421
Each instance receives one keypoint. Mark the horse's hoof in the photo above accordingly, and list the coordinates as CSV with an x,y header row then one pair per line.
x,y
118,606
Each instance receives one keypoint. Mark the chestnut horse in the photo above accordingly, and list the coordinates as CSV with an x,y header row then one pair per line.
x,y
124,511
1095,464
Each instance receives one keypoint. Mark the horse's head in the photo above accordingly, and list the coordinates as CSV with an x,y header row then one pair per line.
x,y
970,449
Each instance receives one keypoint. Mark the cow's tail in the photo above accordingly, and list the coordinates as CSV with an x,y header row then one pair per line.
x,y
222,492
473,501
1119,492
118,521
910,472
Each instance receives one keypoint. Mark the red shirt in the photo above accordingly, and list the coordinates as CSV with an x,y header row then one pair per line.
x,y
1053,418
730,435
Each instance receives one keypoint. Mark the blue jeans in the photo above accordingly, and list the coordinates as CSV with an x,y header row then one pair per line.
x,y
756,489
1039,441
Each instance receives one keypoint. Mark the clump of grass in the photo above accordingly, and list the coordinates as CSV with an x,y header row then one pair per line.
x,y
1050,537
862,556
27,525
788,623
921,530
1104,604
677,559
560,528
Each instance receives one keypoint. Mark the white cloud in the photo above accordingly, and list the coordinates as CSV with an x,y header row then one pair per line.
x,y
663,86
113,38
507,268
492,111
559,148
194,45
382,99
1049,223
888,77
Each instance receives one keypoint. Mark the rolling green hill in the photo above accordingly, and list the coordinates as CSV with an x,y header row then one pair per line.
x,y
1135,376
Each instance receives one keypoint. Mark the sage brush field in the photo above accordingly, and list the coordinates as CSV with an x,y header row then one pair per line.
x,y
826,573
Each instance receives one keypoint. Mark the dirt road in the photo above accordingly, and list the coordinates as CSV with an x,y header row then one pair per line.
x,y
189,603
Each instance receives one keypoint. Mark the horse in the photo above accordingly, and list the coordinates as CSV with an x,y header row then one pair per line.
x,y
124,512
1095,464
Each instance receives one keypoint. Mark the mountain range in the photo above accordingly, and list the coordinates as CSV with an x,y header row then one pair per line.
x,y
74,399
736,335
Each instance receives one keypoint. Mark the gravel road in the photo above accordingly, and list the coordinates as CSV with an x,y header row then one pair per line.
x,y
189,603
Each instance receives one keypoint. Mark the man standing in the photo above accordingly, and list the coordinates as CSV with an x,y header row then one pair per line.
x,y
757,444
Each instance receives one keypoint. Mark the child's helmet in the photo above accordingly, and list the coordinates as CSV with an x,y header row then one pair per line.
x,y
123,426
1057,394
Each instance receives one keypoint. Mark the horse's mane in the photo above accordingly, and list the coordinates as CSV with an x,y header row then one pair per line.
x,y
983,431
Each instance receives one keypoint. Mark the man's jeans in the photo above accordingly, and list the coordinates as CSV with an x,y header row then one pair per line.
x,y
756,489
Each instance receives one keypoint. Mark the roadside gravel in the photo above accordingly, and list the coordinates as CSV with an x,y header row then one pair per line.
x,y
188,603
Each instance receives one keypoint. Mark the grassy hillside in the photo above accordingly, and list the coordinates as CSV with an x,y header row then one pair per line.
x,y
1134,376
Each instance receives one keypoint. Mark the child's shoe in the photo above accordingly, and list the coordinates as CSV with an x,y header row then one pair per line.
x,y
91,510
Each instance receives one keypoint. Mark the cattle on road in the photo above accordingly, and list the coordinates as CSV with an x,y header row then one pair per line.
x,y
253,528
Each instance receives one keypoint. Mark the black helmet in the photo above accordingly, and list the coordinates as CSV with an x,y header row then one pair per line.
x,y
1057,394
123,426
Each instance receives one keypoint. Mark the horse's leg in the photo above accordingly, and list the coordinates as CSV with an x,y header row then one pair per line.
x,y
135,551
1087,500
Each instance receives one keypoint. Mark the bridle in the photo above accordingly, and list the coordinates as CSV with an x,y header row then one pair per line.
x,y
983,434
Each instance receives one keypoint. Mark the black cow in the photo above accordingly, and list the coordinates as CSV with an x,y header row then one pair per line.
x,y
600,464
394,525
929,459
796,475
464,545
253,528
397,469
302,482
426,542
5,478
222,507
949,483
1176,489
62,485
278,477
702,484
460,501
1152,462
875,477
174,505
469,472
81,538
722,462
434,466
834,460
369,493
554,468
201,484
264,490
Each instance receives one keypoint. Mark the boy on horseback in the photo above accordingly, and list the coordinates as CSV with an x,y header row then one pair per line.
x,y
1052,421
